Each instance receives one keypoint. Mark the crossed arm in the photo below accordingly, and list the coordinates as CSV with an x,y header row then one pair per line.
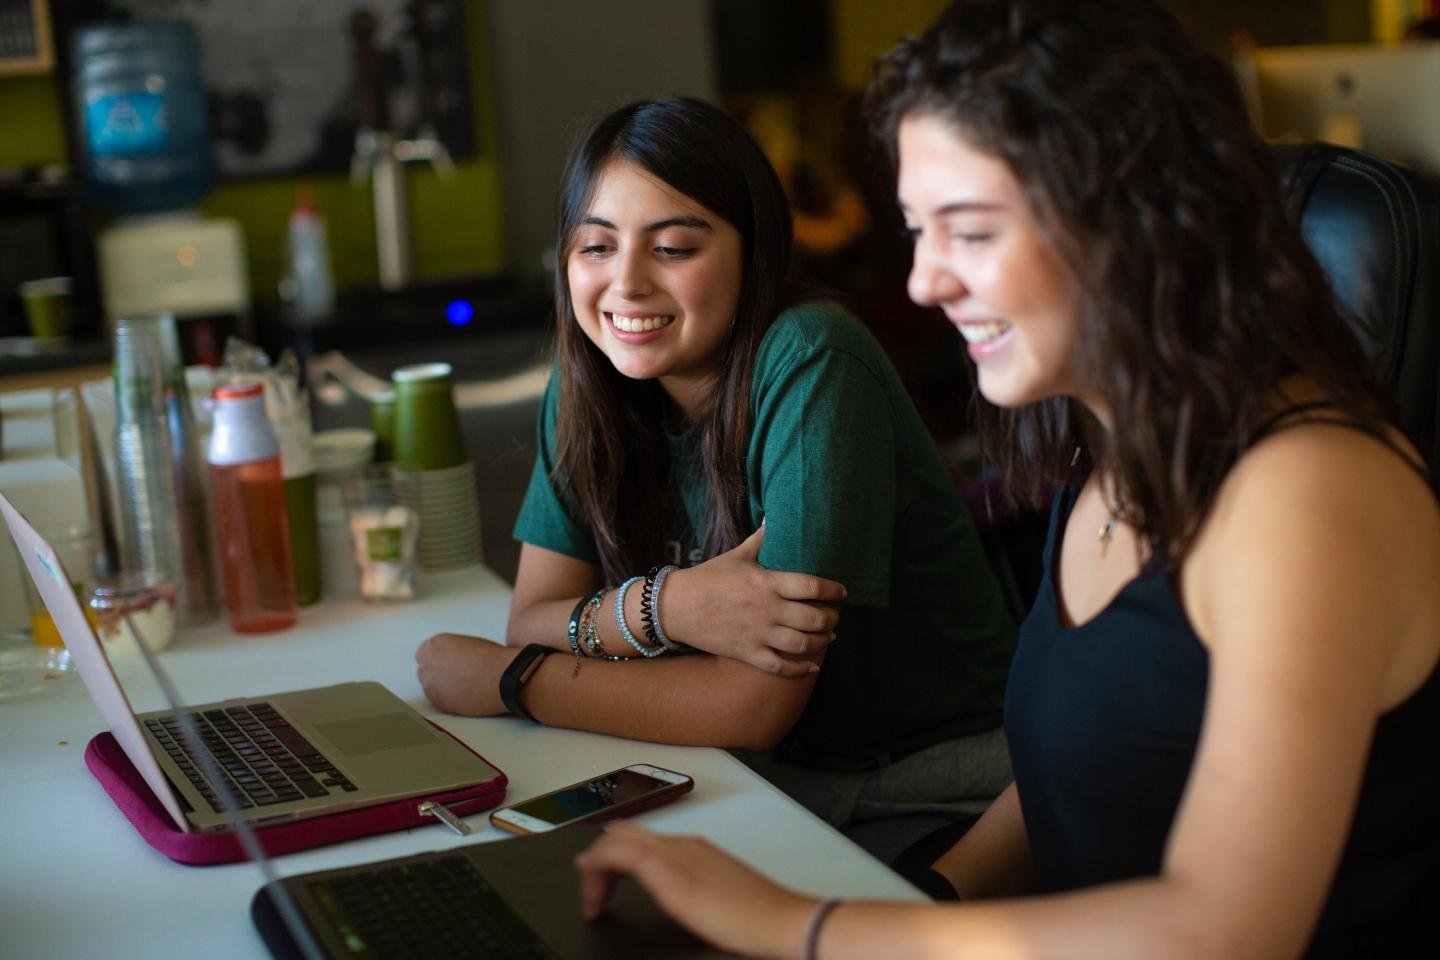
x,y
779,621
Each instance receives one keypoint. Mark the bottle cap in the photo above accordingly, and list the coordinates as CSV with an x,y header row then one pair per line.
x,y
305,202
237,391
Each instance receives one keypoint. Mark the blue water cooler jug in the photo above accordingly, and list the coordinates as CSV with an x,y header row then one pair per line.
x,y
141,110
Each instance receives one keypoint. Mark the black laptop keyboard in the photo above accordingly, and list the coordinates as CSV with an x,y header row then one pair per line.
x,y
435,907
266,760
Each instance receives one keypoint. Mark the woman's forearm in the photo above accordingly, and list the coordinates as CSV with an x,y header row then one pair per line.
x,y
1140,919
697,700
545,622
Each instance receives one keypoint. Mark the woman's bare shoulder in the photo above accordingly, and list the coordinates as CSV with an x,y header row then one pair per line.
x,y
1323,527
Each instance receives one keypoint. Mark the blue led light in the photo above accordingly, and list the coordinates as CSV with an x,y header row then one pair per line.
x,y
459,312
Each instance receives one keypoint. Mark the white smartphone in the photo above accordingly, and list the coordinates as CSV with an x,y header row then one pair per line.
x,y
619,793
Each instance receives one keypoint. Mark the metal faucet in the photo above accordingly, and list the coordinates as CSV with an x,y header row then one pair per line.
x,y
381,157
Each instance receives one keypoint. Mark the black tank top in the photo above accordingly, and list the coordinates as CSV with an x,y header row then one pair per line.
x,y
1103,721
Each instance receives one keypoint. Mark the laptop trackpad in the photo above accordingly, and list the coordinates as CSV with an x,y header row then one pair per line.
x,y
386,731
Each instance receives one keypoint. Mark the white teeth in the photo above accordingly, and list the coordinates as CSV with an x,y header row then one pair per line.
x,y
639,324
981,332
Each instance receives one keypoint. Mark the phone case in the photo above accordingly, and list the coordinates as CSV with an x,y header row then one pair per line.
x,y
671,791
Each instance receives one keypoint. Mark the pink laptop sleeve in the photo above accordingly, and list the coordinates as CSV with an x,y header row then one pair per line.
x,y
136,800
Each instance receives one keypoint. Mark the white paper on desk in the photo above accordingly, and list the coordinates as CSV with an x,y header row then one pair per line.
x,y
53,583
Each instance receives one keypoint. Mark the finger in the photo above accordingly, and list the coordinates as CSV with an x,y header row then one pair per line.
x,y
749,548
623,850
806,586
798,645
603,862
805,618
597,881
780,666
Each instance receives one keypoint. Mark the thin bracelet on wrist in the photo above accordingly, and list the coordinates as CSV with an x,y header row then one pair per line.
x,y
822,912
660,576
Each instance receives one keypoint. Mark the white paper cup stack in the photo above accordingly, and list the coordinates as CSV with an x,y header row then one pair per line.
x,y
449,509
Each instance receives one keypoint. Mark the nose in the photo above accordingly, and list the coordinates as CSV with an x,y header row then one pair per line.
x,y
631,279
932,282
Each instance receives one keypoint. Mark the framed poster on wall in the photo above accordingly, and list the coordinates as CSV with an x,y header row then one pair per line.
x,y
290,82
25,45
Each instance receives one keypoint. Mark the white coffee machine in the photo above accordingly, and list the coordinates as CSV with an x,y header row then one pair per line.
x,y
183,263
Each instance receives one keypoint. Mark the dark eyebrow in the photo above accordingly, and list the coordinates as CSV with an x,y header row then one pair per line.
x,y
681,221
962,206
969,206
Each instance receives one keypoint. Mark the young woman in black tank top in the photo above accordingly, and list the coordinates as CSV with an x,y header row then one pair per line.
x,y
1224,710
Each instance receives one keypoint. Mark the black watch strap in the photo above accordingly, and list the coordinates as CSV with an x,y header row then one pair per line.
x,y
515,675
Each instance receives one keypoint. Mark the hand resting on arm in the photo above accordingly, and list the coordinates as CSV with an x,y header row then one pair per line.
x,y
729,606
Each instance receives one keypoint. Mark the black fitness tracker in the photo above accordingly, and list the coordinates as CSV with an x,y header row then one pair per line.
x,y
515,675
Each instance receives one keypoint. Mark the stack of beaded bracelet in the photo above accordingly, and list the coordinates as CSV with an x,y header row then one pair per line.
x,y
584,633
630,638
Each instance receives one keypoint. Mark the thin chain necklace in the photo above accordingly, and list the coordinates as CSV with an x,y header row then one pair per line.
x,y
1107,529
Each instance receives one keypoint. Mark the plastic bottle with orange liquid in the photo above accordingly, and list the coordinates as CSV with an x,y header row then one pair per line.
x,y
252,527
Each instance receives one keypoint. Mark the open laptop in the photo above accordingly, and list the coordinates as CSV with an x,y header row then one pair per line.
x,y
507,898
288,756
510,898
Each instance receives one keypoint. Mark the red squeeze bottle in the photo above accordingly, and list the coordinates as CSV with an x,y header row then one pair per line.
x,y
250,519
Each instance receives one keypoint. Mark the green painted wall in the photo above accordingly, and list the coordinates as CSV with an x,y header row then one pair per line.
x,y
456,222
30,128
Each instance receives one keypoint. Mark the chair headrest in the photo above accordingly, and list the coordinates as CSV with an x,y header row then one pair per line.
x,y
1373,227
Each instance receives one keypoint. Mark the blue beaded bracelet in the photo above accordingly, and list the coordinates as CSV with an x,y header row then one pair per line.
x,y
630,638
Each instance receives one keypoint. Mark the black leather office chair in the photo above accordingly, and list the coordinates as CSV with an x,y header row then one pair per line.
x,y
1375,228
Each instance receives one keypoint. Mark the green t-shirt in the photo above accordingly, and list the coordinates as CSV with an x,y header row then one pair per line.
x,y
851,487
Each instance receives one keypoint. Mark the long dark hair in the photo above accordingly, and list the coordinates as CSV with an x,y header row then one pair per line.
x,y
1198,295
611,455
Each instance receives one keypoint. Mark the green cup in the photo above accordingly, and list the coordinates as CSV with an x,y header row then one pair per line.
x,y
300,509
382,421
427,424
47,307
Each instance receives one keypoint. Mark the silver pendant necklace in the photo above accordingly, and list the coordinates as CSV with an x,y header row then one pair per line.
x,y
1107,531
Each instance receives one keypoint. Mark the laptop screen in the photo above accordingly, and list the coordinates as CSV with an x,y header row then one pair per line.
x,y
53,583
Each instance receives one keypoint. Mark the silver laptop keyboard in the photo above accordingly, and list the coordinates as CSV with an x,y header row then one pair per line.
x,y
266,760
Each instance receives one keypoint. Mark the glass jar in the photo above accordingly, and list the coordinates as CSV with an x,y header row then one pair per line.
x,y
384,534
130,604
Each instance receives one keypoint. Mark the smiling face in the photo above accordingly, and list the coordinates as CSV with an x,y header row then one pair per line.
x,y
981,257
654,279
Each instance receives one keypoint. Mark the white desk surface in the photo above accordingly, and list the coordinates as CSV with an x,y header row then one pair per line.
x,y
76,880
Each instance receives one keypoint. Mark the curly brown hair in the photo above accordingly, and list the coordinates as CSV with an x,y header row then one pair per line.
x,y
1198,294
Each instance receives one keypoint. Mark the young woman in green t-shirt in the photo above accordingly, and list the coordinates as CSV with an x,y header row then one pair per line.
x,y
696,395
